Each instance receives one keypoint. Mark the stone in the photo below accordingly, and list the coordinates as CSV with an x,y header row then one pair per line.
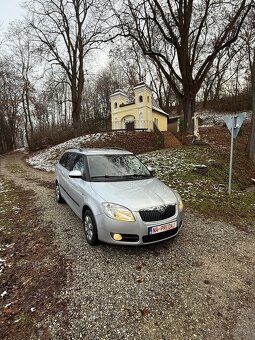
x,y
215,164
200,169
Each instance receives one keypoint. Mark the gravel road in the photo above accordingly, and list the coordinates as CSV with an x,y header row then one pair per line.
x,y
199,285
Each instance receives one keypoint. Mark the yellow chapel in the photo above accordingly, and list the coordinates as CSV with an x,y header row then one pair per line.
x,y
142,113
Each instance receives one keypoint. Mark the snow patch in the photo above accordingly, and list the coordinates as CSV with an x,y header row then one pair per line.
x,y
209,118
47,159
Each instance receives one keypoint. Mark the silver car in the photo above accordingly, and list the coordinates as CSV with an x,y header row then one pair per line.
x,y
117,197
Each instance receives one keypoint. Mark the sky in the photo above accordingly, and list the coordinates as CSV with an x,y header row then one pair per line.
x,y
9,11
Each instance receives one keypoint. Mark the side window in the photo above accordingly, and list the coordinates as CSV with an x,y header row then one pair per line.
x,y
63,159
140,99
70,161
78,163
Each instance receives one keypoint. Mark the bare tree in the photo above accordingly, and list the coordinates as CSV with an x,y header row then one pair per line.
x,y
247,41
68,31
195,30
251,145
9,103
125,65
130,66
96,103
23,62
55,98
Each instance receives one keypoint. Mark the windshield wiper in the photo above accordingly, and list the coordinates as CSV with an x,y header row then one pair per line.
x,y
105,176
122,177
137,176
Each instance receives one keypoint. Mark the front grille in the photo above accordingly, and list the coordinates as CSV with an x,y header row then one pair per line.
x,y
156,215
160,236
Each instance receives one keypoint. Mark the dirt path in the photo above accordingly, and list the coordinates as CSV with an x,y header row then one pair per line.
x,y
199,285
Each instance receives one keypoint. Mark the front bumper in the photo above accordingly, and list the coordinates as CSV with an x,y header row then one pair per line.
x,y
135,233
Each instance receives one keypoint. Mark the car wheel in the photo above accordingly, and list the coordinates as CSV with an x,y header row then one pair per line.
x,y
90,228
59,198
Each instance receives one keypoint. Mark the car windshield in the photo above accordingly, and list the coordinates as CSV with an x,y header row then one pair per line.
x,y
116,168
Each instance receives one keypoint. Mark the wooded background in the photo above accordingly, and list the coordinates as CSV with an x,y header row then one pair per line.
x,y
195,54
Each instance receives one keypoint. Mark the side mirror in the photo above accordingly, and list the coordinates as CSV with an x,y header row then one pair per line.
x,y
75,174
151,170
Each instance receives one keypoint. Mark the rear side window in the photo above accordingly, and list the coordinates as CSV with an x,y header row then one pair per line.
x,y
67,160
70,161
63,159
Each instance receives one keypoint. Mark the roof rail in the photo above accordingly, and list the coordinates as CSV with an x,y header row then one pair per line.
x,y
74,148
113,148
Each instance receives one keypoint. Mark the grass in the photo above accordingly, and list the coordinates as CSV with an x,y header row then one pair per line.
x,y
28,291
25,319
206,194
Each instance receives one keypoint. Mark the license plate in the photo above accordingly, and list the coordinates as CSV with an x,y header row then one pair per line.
x,y
162,228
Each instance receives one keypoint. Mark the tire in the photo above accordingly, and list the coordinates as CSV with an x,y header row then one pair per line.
x,y
59,198
90,228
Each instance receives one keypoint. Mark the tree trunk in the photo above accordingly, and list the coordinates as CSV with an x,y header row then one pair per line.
x,y
76,116
189,110
251,147
76,108
29,128
205,99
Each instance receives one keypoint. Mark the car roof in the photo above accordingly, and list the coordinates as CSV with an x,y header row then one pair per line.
x,y
100,151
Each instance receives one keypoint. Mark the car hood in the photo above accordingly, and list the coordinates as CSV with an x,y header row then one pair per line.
x,y
135,195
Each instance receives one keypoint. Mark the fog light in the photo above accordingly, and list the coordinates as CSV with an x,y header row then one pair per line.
x,y
117,237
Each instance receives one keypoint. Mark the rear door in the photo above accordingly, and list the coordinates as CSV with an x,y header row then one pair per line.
x,y
77,186
67,165
61,173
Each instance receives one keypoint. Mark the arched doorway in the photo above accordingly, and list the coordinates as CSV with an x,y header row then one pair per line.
x,y
128,123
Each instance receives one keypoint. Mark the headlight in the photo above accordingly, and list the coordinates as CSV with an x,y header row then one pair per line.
x,y
180,205
117,212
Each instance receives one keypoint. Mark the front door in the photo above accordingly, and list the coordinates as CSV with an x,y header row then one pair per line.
x,y
130,126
